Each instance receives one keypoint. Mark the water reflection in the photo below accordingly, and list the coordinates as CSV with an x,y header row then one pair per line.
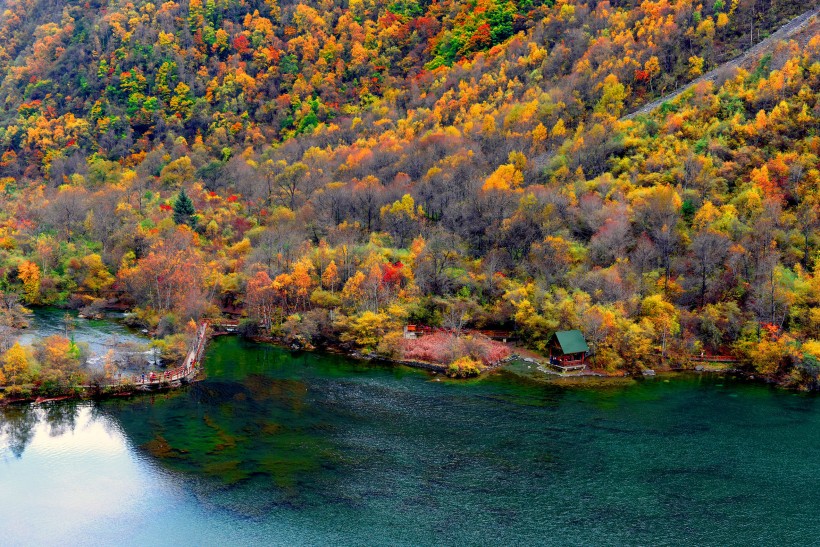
x,y
322,450
17,425
254,436
61,418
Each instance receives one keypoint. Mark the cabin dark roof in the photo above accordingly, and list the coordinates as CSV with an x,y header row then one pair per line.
x,y
571,341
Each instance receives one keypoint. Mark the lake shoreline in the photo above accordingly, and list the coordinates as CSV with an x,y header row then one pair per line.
x,y
270,432
338,348
91,394
552,377
182,374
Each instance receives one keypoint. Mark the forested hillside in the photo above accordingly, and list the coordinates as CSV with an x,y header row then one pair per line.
x,y
335,170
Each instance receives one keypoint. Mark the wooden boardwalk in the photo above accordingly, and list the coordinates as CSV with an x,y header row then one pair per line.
x,y
715,359
183,374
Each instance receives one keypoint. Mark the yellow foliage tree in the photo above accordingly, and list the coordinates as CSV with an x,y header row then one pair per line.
x,y
811,348
769,354
613,95
663,316
16,365
535,326
177,173
695,66
517,159
506,177
330,277
29,274
366,329
540,133
559,130
635,344
353,291
181,103
97,276
401,216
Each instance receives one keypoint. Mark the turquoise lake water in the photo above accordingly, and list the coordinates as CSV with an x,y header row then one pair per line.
x,y
309,449
101,335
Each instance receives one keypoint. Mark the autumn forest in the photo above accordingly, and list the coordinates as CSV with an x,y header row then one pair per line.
x,y
331,171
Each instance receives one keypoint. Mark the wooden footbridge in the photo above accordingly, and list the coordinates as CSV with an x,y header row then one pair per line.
x,y
186,373
706,358
183,374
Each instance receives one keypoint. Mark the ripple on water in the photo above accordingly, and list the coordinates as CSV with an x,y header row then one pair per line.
x,y
321,450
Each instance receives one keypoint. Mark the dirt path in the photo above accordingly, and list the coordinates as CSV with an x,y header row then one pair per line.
x,y
785,32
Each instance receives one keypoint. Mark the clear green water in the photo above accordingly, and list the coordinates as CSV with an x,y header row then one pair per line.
x,y
101,335
315,449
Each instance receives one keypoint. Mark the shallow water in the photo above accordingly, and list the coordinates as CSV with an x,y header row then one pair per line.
x,y
277,448
96,332
101,335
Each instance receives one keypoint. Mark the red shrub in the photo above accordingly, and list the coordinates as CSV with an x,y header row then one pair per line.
x,y
433,348
486,350
442,347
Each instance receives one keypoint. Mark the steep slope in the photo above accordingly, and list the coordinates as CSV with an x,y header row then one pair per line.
x,y
354,167
122,76
791,30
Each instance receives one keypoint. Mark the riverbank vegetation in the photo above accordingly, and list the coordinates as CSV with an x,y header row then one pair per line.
x,y
53,366
334,172
58,365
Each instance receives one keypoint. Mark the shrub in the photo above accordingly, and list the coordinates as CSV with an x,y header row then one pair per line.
x,y
365,329
440,347
304,329
464,367
391,345
325,299
18,392
484,349
142,318
248,328
168,325
94,310
443,347
172,348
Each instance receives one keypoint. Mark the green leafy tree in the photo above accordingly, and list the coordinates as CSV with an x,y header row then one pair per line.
x,y
184,209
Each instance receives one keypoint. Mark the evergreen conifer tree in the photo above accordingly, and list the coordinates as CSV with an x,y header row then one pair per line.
x,y
184,209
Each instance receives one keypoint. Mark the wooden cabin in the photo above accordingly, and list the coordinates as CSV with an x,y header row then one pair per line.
x,y
568,349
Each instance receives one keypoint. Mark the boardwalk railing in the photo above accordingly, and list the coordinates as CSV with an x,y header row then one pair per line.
x,y
181,374
715,359
569,365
